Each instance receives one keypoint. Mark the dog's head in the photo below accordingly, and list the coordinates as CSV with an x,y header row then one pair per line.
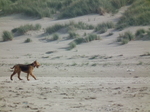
x,y
36,64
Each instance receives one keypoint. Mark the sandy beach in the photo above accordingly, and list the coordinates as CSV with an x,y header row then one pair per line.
x,y
99,76
72,94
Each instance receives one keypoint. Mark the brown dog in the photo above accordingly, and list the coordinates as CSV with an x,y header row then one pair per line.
x,y
25,68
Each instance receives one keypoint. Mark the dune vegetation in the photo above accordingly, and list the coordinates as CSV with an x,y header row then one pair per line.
x,y
137,14
65,8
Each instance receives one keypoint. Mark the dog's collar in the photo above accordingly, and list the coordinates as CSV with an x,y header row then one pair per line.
x,y
33,64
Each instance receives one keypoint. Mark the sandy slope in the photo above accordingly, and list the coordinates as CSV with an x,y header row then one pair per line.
x,y
100,76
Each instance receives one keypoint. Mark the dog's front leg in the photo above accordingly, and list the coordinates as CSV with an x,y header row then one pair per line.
x,y
28,76
33,76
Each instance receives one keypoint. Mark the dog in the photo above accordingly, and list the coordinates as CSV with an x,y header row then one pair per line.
x,y
24,68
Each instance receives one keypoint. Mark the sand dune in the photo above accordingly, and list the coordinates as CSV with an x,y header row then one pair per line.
x,y
99,76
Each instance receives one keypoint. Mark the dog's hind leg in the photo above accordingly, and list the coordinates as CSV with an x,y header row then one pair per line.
x,y
12,75
19,75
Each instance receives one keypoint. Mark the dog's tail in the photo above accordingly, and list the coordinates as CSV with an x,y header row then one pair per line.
x,y
13,67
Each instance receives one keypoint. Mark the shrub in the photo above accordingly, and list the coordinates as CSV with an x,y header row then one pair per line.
x,y
102,28
92,37
126,37
54,28
27,40
55,37
110,34
124,41
129,35
148,33
71,45
72,35
140,32
25,28
82,25
7,36
79,40
37,27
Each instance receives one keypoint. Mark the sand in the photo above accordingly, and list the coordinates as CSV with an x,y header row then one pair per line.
x,y
75,94
99,76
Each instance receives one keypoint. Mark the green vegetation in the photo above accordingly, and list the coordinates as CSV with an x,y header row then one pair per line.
x,y
55,37
7,36
4,3
54,28
70,26
139,34
142,34
137,14
102,28
25,28
92,37
72,35
71,45
81,40
126,37
81,25
83,7
35,8
27,40
65,8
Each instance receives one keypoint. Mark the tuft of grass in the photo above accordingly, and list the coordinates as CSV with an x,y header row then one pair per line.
x,y
71,45
140,32
27,40
124,41
79,40
110,34
72,35
102,28
70,27
126,37
54,28
7,36
92,37
25,28
82,25
74,64
140,63
94,64
55,37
